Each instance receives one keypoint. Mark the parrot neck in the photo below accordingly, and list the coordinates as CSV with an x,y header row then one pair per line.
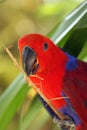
x,y
71,63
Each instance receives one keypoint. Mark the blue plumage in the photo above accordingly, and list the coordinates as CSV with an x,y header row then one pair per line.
x,y
71,64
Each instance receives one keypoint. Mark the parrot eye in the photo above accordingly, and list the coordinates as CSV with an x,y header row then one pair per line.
x,y
45,46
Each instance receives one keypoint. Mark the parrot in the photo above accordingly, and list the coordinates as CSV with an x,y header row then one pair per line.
x,y
59,76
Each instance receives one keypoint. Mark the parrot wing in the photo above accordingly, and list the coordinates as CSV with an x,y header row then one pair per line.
x,y
75,86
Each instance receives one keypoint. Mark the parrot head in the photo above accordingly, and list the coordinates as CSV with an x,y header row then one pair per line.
x,y
38,53
41,57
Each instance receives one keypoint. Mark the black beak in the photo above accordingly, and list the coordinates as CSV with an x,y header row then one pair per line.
x,y
29,60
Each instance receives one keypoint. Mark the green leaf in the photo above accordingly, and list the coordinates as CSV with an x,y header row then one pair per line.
x,y
11,99
71,35
77,39
70,21
34,113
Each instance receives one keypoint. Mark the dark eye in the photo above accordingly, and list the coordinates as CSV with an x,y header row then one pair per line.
x,y
45,46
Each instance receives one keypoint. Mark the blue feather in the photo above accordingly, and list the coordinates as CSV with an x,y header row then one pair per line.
x,y
68,110
71,64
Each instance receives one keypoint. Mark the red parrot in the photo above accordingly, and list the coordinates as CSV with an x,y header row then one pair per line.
x,y
61,75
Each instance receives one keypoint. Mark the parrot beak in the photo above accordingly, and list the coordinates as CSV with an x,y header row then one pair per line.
x,y
29,61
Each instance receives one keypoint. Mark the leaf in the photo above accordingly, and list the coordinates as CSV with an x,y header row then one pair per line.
x,y
70,21
11,99
78,38
34,113
72,33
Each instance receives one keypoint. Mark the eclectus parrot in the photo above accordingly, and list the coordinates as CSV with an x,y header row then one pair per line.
x,y
63,76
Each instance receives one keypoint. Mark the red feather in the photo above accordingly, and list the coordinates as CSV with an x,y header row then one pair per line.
x,y
55,78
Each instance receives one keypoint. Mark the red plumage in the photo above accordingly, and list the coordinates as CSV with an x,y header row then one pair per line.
x,y
57,77
75,86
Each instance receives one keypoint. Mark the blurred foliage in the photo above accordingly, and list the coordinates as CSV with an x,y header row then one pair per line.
x,y
2,1
18,18
9,102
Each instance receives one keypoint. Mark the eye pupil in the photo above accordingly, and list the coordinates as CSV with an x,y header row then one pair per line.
x,y
45,46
